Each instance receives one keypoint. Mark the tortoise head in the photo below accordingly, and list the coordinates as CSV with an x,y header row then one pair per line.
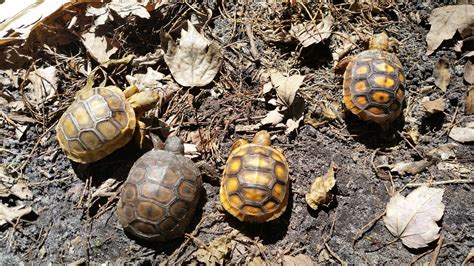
x,y
262,138
175,145
144,101
379,41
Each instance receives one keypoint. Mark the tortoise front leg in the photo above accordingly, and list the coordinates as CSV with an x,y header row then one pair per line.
x,y
140,136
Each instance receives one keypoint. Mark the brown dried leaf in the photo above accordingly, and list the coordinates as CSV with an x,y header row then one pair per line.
x,y
286,87
441,74
14,186
413,218
319,192
195,61
445,21
44,84
10,214
300,259
469,72
411,167
273,117
217,249
435,106
308,33
470,101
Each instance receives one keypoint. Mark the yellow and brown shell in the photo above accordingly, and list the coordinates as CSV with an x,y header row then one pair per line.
x,y
374,86
255,185
98,122
160,196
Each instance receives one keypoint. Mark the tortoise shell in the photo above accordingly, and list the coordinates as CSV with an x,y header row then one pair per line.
x,y
255,185
374,86
159,196
99,121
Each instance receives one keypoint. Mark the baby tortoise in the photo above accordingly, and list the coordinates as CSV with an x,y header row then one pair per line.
x,y
101,120
374,83
160,194
255,186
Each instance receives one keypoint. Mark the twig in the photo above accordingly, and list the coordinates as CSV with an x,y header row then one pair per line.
x,y
444,182
468,259
253,47
436,252
335,255
364,229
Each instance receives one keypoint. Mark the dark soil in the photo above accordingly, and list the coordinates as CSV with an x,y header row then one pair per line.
x,y
69,225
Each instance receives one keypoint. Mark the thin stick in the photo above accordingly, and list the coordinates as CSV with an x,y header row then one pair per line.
x,y
436,252
364,229
455,181
335,255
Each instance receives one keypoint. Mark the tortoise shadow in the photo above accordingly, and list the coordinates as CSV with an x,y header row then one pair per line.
x,y
168,247
269,232
373,135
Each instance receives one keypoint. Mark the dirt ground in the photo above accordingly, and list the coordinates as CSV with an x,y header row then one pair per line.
x,y
71,223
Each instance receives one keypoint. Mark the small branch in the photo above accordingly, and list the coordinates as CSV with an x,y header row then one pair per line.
x,y
455,181
436,252
364,229
335,255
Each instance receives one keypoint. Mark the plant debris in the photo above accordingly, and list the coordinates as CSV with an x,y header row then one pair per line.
x,y
462,134
308,33
441,74
319,193
413,218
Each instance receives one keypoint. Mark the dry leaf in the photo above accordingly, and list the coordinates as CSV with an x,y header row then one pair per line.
x,y
107,188
470,101
441,74
273,117
44,84
292,125
319,192
100,48
286,87
435,106
469,72
411,167
413,218
462,134
308,33
150,80
10,214
445,21
123,8
195,61
300,259
217,249
444,151
14,186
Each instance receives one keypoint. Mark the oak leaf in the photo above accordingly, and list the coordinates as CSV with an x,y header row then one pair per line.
x,y
319,192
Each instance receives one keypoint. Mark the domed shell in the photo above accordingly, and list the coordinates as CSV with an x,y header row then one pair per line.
x,y
159,196
98,122
374,86
255,186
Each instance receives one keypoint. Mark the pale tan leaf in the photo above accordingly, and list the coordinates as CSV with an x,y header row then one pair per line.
x,y
216,250
441,74
44,84
462,134
413,218
286,87
309,33
445,21
469,72
444,151
195,61
100,48
319,192
300,259
434,106
14,186
125,8
10,214
411,167
273,117
151,80
469,102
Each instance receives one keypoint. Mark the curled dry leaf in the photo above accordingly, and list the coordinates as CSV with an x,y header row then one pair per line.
x,y
100,48
470,101
435,106
469,72
286,87
273,117
319,192
444,151
441,74
195,61
462,134
309,33
445,21
43,84
14,186
413,218
123,8
300,259
106,189
10,214
411,167
150,80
